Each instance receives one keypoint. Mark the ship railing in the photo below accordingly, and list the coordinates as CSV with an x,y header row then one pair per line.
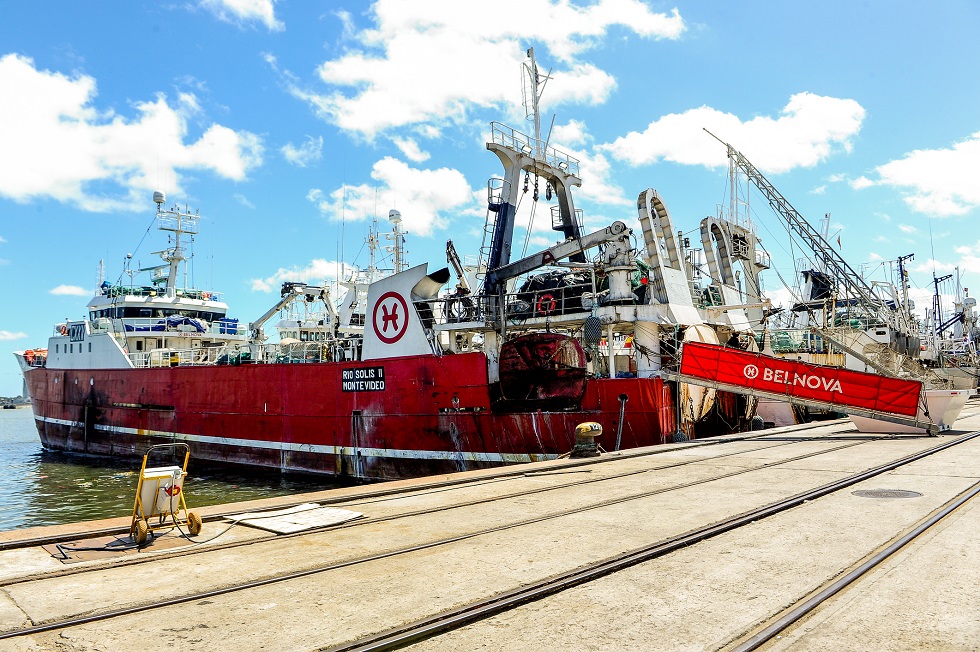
x,y
338,350
537,149
552,302
574,299
346,349
959,347
36,358
799,340
100,325
176,357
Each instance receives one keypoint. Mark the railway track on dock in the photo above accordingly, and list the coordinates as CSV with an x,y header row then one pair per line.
x,y
473,612
192,548
422,630
779,623
384,492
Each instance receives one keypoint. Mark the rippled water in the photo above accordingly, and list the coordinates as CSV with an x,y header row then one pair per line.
x,y
39,487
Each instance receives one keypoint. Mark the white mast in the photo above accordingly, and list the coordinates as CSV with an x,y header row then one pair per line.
x,y
533,88
398,237
179,222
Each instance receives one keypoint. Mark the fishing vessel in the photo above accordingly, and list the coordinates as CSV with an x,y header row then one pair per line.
x,y
402,377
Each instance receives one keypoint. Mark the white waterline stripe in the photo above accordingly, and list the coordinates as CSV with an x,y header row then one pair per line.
x,y
394,453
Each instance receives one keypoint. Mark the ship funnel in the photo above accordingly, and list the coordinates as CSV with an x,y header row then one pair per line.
x,y
428,287
159,198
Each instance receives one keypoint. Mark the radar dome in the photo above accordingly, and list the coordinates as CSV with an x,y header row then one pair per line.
x,y
159,198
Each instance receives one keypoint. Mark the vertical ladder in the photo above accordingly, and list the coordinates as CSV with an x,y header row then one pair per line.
x,y
497,190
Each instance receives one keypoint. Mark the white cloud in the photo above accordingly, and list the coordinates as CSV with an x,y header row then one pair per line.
x,y
347,21
240,12
70,290
56,144
318,271
374,88
596,183
2,239
594,168
422,196
932,265
243,200
907,228
936,182
861,183
819,190
808,130
10,335
780,297
969,258
411,149
572,134
309,152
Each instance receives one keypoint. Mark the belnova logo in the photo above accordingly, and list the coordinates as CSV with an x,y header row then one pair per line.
x,y
803,380
750,371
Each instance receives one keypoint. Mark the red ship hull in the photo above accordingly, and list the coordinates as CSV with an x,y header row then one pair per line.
x,y
425,415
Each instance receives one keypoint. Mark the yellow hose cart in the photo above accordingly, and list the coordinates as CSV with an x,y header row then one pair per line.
x,y
160,497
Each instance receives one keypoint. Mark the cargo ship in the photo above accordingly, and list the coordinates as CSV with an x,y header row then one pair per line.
x,y
403,378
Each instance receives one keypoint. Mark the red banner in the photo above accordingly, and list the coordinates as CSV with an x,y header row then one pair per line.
x,y
798,379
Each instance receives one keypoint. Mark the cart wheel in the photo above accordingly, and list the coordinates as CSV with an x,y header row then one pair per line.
x,y
194,523
141,530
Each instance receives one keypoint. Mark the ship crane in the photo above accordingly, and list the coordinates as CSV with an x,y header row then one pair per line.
x,y
835,265
897,358
290,292
453,257
617,233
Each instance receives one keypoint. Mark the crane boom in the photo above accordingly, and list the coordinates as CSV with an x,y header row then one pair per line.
x,y
615,231
852,283
453,257
290,292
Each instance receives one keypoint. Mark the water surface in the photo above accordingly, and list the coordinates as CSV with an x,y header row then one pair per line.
x,y
39,487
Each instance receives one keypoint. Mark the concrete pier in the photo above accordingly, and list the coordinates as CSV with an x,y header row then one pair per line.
x,y
432,545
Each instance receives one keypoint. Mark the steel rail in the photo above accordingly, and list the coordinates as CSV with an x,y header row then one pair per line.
x,y
70,622
427,628
183,551
802,608
512,471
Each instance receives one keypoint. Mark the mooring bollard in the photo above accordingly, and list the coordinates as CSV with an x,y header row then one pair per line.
x,y
585,434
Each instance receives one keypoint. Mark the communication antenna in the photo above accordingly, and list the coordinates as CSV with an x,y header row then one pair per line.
x,y
398,237
533,88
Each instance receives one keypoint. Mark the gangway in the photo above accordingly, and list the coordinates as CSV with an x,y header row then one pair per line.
x,y
816,386
929,426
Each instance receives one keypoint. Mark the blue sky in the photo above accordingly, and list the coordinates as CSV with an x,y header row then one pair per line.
x,y
291,124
